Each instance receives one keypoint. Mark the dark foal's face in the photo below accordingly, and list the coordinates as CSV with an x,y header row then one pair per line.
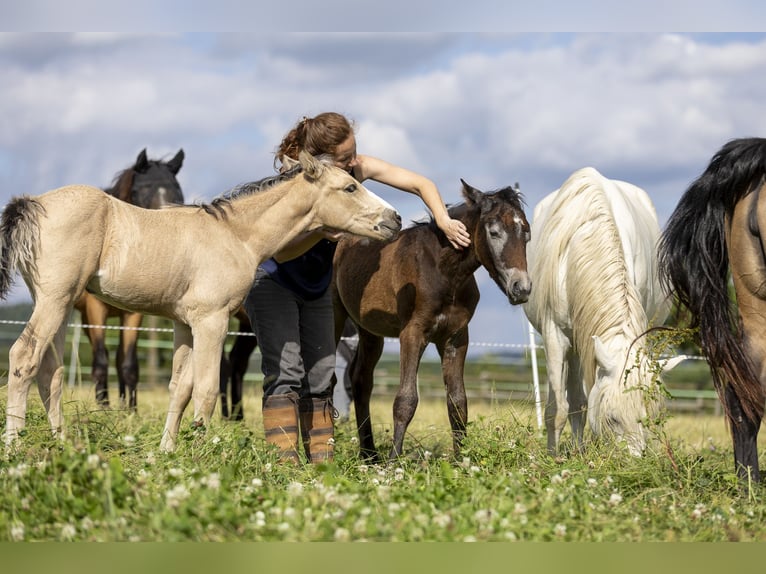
x,y
502,243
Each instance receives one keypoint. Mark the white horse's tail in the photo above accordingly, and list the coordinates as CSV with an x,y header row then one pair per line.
x,y
19,232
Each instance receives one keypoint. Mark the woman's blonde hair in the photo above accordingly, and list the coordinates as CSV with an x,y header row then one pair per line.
x,y
319,135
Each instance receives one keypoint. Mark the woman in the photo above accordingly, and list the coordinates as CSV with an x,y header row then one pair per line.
x,y
290,305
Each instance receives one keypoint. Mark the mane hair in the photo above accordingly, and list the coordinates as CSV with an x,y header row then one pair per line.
x,y
596,270
217,208
122,185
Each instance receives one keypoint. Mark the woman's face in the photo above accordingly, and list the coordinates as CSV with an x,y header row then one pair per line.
x,y
345,154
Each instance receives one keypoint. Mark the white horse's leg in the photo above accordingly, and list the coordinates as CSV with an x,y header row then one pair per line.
x,y
578,402
180,386
209,337
24,361
50,381
556,407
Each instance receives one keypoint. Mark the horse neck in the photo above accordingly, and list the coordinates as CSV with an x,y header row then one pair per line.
x,y
268,220
123,186
461,263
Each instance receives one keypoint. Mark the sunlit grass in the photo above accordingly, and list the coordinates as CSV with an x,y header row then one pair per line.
x,y
108,481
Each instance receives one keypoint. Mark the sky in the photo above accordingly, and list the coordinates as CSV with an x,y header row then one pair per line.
x,y
489,106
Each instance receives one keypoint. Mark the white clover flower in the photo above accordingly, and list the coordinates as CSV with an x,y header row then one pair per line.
x,y
474,469
216,439
592,482
212,481
483,516
26,503
68,531
466,462
615,499
469,539
560,530
510,536
566,473
283,527
441,519
342,535
176,472
93,461
394,507
556,479
17,531
427,454
129,440
519,509
354,440
151,458
257,482
399,474
363,468
289,513
295,488
176,495
267,467
360,526
86,523
18,471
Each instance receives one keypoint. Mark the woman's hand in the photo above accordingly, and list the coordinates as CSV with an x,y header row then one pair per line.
x,y
456,233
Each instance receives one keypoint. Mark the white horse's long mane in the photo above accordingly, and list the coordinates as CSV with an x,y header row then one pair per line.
x,y
597,276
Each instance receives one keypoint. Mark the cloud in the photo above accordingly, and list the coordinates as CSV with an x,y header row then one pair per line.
x,y
491,108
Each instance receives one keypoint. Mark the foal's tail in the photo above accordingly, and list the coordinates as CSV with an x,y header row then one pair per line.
x,y
693,262
19,232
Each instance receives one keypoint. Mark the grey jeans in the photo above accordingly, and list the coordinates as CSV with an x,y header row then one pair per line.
x,y
296,338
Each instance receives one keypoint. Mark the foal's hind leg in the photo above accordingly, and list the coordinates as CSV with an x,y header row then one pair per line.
x,y
453,364
25,358
50,381
361,371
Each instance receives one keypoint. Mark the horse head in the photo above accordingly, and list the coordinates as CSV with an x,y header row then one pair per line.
x,y
500,239
626,394
151,183
342,203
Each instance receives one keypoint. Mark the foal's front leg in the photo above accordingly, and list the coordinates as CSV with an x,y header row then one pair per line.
x,y
180,386
406,402
209,337
453,365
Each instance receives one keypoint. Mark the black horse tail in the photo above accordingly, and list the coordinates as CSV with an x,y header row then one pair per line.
x,y
693,262
19,231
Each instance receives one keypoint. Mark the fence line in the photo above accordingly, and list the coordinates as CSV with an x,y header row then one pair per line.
x,y
697,395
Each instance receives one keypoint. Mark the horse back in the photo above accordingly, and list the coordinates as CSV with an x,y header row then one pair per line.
x,y
385,285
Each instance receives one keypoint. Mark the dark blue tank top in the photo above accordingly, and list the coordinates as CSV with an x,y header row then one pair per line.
x,y
307,275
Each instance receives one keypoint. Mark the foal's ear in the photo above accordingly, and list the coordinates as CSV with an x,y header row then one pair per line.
x,y
175,164
312,167
471,194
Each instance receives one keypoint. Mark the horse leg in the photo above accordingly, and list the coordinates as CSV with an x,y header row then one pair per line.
x,y
25,358
578,402
361,369
412,345
180,386
209,336
239,357
50,381
127,360
556,407
95,312
745,436
453,364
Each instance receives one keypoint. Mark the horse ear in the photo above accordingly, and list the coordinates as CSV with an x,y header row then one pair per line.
x,y
603,358
312,167
141,161
175,164
471,194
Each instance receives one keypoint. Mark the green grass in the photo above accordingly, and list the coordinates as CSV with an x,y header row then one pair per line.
x,y
106,481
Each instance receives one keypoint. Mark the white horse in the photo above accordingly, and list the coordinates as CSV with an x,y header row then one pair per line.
x,y
592,259
192,264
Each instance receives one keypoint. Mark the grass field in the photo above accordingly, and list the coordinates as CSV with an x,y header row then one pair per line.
x,y
107,481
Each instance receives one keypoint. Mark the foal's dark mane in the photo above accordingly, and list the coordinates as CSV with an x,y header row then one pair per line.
x,y
217,208
458,210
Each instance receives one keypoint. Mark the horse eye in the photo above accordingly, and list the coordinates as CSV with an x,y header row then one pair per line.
x,y
350,188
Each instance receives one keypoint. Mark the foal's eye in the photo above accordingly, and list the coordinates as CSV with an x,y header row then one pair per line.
x,y
350,188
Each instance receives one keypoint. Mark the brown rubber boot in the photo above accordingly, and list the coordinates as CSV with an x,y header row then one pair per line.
x,y
280,423
317,429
